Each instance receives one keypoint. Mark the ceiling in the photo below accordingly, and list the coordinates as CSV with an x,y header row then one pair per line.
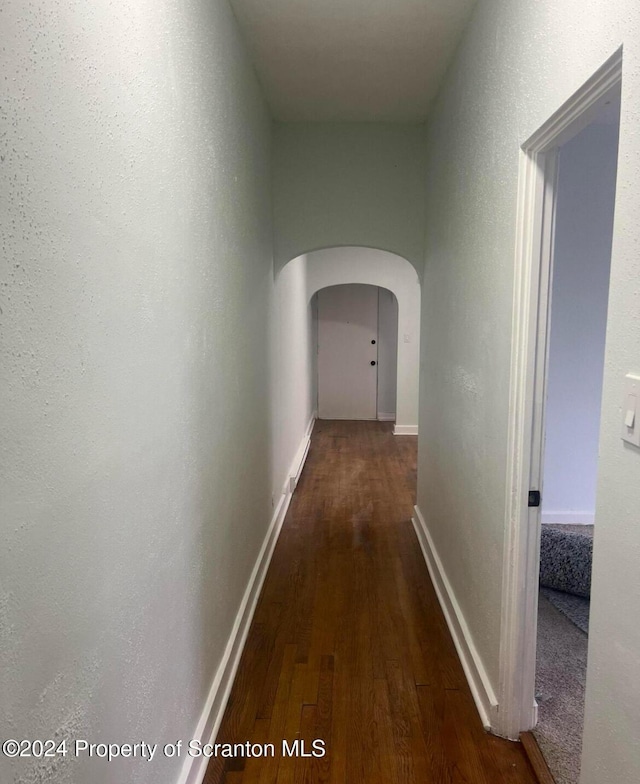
x,y
351,60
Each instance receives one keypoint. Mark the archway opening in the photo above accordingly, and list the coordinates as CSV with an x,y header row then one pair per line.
x,y
294,343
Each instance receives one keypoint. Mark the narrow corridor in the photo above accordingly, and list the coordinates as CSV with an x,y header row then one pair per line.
x,y
348,643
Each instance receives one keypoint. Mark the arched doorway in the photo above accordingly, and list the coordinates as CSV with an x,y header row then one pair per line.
x,y
347,265
294,390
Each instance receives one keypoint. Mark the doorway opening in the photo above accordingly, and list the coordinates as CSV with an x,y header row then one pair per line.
x,y
398,293
579,290
565,228
357,337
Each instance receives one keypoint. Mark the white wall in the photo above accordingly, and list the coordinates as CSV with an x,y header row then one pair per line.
x,y
518,62
339,184
387,352
134,364
335,266
580,292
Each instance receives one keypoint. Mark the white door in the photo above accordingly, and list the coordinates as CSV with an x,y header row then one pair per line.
x,y
348,352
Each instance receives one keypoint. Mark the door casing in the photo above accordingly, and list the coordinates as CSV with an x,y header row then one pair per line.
x,y
529,358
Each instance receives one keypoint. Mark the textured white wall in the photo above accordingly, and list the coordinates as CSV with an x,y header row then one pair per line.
x,y
387,351
518,62
580,292
349,184
379,268
134,362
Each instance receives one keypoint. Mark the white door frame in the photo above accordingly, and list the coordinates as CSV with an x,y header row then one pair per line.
x,y
529,356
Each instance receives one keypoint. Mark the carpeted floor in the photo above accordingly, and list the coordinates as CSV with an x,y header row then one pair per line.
x,y
560,681
565,561
586,530
576,608
563,623
565,570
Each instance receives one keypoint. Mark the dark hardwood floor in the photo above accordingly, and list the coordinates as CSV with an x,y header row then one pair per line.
x,y
348,643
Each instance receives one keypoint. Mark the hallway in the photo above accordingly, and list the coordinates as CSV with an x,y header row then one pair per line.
x,y
179,182
348,643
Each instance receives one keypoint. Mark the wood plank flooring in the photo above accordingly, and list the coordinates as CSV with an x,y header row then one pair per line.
x,y
348,643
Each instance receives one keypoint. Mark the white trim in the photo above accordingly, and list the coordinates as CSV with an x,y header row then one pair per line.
x,y
347,419
568,518
301,455
405,430
522,534
533,263
386,417
470,659
580,109
194,768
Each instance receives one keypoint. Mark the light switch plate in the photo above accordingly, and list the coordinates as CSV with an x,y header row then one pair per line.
x,y
631,410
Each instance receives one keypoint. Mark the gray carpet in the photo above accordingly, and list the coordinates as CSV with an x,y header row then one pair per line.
x,y
563,622
560,681
585,530
576,608
565,561
565,570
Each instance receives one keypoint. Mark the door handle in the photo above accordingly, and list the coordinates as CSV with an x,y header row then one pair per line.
x,y
373,362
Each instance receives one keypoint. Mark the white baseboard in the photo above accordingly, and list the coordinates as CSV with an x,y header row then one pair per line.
x,y
405,430
194,768
569,518
481,689
386,417
301,455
